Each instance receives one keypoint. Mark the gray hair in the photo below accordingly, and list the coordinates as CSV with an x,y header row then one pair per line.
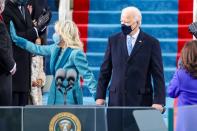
x,y
2,5
135,13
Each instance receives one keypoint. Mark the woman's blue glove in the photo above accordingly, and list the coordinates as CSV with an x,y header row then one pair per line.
x,y
13,33
28,45
19,41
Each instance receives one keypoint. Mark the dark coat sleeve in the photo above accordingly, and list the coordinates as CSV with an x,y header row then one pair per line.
x,y
6,59
157,74
105,73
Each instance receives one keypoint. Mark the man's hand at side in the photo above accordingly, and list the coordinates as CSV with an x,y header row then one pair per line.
x,y
100,101
159,107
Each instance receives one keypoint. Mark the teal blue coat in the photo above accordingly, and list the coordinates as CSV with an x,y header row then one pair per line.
x,y
77,60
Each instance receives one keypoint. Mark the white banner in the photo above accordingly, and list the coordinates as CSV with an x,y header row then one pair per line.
x,y
195,11
64,9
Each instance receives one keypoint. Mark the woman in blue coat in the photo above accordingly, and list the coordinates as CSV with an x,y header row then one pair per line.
x,y
66,53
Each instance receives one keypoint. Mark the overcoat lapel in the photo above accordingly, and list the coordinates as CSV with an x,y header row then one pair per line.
x,y
17,12
122,42
138,45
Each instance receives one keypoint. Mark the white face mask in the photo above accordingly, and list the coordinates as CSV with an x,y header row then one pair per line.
x,y
56,38
2,5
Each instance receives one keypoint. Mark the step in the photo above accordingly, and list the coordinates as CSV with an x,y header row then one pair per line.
x,y
158,31
99,45
168,58
148,5
113,17
103,31
89,100
143,5
54,17
168,73
96,59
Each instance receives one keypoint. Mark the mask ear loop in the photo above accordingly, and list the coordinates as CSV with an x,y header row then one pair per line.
x,y
135,26
135,19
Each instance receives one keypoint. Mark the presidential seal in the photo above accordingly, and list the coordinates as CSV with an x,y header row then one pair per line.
x,y
65,121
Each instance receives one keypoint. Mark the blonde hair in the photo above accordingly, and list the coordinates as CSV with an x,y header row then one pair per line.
x,y
69,33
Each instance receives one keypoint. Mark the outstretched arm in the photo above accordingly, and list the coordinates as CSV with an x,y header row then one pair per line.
x,y
29,46
29,33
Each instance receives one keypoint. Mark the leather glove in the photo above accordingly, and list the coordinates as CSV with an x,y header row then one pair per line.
x,y
193,29
43,20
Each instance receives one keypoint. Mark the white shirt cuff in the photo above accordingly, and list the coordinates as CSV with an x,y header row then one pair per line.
x,y
36,32
13,68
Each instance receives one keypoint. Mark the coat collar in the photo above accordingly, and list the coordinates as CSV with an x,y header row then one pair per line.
x,y
123,42
58,58
138,44
17,12
54,58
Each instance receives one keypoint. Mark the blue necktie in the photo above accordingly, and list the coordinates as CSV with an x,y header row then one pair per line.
x,y
129,45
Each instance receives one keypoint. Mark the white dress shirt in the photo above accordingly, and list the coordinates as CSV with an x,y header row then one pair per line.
x,y
131,41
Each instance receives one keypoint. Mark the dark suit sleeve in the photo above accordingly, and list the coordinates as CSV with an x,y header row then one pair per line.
x,y
105,73
157,74
29,34
6,60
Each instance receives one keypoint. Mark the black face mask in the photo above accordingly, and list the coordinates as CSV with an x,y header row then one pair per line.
x,y
126,29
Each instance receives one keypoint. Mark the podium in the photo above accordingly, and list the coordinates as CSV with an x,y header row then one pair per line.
x,y
10,119
81,118
135,119
75,118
